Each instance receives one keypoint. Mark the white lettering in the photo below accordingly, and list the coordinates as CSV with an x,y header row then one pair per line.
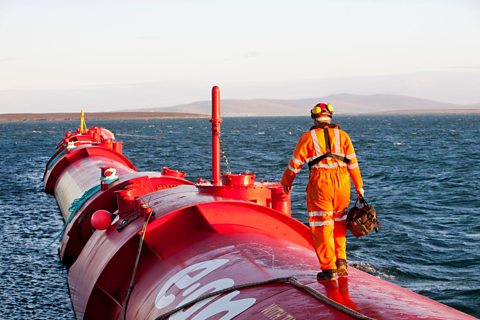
x,y
193,290
182,280
210,287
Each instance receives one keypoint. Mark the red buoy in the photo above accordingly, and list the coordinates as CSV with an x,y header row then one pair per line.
x,y
101,219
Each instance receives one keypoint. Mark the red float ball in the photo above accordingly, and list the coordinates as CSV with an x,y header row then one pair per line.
x,y
101,219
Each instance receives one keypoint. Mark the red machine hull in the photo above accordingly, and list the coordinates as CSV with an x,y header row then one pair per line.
x,y
222,249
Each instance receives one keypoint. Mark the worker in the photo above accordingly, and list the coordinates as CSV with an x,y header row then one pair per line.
x,y
330,155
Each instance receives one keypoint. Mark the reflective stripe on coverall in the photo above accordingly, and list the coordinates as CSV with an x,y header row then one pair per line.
x,y
328,190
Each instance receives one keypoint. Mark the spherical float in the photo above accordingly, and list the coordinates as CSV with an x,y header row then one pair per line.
x,y
101,219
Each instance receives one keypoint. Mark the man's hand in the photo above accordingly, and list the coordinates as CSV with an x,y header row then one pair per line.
x,y
360,192
286,189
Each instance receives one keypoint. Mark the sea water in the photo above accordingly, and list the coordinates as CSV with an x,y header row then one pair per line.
x,y
421,173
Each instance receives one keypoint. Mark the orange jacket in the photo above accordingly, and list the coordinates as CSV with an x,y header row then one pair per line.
x,y
312,144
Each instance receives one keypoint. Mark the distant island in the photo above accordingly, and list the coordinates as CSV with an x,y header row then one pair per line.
x,y
344,104
97,116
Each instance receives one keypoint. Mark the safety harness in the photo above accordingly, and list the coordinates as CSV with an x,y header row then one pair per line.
x,y
328,153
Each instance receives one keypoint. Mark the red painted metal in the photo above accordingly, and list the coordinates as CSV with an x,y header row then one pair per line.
x,y
216,121
174,173
197,239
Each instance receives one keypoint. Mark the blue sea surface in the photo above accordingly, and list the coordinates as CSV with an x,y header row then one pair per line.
x,y
422,174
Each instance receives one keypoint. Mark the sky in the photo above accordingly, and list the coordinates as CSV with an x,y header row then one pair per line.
x,y
103,55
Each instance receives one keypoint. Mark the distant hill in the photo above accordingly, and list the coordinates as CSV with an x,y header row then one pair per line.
x,y
343,104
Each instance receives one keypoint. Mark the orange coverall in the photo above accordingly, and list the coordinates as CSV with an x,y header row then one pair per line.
x,y
328,190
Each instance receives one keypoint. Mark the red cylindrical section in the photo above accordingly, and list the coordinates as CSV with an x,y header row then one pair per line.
x,y
280,200
246,179
216,135
117,146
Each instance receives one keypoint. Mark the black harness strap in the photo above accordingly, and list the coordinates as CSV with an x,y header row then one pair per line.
x,y
323,125
328,153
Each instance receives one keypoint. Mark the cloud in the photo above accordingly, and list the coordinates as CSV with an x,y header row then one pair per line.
x,y
252,54
6,59
148,37
466,67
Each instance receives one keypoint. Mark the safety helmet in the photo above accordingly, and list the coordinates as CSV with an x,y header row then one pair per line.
x,y
321,109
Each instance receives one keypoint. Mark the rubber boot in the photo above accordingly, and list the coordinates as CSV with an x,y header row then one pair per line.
x,y
327,275
342,267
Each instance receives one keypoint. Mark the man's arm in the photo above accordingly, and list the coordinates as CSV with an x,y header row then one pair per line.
x,y
296,162
353,167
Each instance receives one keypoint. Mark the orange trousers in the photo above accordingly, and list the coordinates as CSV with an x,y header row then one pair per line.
x,y
328,197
